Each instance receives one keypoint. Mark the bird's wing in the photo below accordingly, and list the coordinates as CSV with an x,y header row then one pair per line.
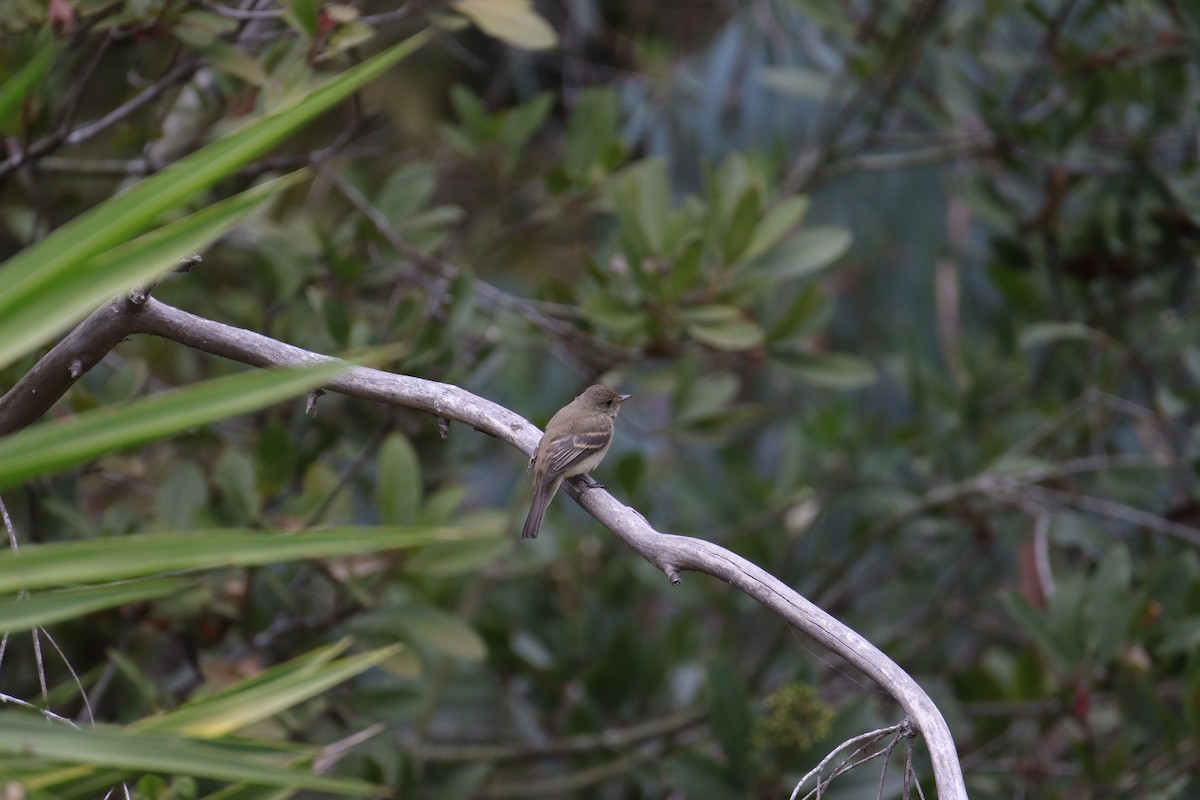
x,y
567,450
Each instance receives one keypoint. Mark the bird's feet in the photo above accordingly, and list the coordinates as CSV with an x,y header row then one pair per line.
x,y
589,483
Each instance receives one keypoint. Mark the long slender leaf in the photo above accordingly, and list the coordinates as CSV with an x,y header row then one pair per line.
x,y
246,703
243,792
63,292
88,782
52,446
133,211
24,613
264,695
13,90
114,747
102,560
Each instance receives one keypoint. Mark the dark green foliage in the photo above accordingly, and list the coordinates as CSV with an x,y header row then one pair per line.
x,y
905,293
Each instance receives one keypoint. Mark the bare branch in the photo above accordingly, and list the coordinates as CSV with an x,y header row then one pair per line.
x,y
670,553
1115,510
176,75
58,370
614,738
999,483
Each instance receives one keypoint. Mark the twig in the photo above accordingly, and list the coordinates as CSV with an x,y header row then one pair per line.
x,y
242,15
398,14
866,739
177,74
1044,54
348,474
883,162
1000,483
45,712
608,739
1041,556
332,753
79,82
890,79
14,544
1115,510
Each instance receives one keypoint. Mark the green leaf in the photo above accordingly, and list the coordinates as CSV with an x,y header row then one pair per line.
x,y
729,711
591,131
275,454
241,791
464,782
1035,624
425,628
448,559
800,256
72,246
24,613
1179,638
511,21
110,746
698,776
521,122
53,446
684,225
262,696
1067,619
398,490
337,320
640,197
775,224
1111,609
808,312
829,370
199,29
234,476
346,36
445,633
101,560
1043,333
686,271
302,15
730,333
1192,689
705,397
182,493
726,185
63,291
14,90
408,189
234,61
801,82
741,225
471,113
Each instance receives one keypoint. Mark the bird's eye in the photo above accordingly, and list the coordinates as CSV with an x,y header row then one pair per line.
x,y
608,402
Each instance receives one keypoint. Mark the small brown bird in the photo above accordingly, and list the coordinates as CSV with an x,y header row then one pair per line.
x,y
576,439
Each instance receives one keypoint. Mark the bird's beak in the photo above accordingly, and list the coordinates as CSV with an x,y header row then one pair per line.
x,y
621,398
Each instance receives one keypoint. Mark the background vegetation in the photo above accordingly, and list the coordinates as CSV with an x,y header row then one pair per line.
x,y
905,293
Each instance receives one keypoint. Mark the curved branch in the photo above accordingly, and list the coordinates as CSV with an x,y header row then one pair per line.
x,y
67,361
670,553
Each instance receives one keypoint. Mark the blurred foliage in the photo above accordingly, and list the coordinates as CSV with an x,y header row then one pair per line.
x,y
905,293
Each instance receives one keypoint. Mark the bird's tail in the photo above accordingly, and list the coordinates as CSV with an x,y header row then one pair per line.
x,y
542,494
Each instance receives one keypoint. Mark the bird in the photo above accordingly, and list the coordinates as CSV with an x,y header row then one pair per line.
x,y
575,441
